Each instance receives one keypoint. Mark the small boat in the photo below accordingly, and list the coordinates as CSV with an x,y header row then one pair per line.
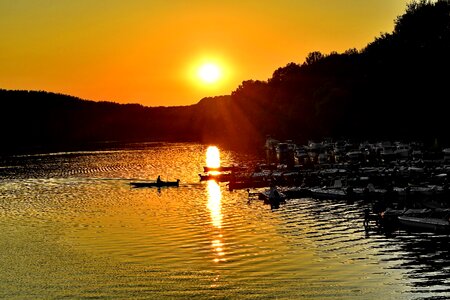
x,y
446,153
272,195
158,184
296,192
425,223
328,193
221,177
392,215
247,183
387,153
413,218
223,169
403,151
335,191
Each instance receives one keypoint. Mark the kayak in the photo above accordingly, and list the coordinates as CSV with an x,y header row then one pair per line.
x,y
155,183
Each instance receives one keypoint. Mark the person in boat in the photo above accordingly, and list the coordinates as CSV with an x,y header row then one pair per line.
x,y
274,195
158,180
366,217
370,217
349,191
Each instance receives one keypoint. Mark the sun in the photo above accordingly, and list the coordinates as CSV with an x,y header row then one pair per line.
x,y
209,73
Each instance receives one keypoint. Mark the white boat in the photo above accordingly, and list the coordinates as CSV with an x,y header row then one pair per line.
x,y
271,143
301,155
328,193
428,190
387,153
446,153
355,156
270,147
285,153
416,169
417,154
313,150
425,223
402,151
336,191
313,146
322,158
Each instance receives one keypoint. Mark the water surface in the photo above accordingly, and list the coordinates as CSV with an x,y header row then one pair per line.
x,y
71,226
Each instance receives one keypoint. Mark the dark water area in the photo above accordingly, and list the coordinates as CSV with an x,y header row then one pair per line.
x,y
71,226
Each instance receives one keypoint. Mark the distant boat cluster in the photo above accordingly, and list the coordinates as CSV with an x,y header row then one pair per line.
x,y
395,177
365,153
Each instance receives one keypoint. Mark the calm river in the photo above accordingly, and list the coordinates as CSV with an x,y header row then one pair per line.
x,y
72,227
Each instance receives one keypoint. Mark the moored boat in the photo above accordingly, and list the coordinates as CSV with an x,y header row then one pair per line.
x,y
273,196
423,218
446,153
425,223
328,193
335,191
220,177
223,169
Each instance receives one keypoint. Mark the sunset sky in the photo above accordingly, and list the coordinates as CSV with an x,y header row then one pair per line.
x,y
151,52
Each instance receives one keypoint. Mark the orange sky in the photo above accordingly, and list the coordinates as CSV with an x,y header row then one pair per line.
x,y
142,51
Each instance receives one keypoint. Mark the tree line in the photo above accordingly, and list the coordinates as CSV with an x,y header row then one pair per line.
x,y
396,87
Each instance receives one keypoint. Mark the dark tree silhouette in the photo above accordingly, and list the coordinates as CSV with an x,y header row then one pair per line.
x,y
396,87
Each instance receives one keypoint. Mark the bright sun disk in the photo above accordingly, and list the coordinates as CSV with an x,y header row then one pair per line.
x,y
209,73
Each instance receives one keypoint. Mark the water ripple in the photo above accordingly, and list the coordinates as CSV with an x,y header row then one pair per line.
x,y
72,227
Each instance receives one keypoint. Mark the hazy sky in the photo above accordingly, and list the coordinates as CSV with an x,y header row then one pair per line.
x,y
149,51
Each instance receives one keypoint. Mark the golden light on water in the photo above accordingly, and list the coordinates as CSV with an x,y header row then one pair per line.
x,y
212,157
214,203
224,249
215,208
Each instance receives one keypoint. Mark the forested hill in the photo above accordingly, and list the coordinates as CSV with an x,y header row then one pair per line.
x,y
396,87
42,120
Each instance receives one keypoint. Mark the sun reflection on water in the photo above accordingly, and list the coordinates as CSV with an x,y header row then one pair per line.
x,y
215,204
212,157
215,208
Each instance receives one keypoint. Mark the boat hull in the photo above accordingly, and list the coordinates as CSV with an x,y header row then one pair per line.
x,y
425,224
155,184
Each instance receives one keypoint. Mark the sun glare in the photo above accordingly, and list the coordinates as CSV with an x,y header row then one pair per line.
x,y
213,157
209,73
